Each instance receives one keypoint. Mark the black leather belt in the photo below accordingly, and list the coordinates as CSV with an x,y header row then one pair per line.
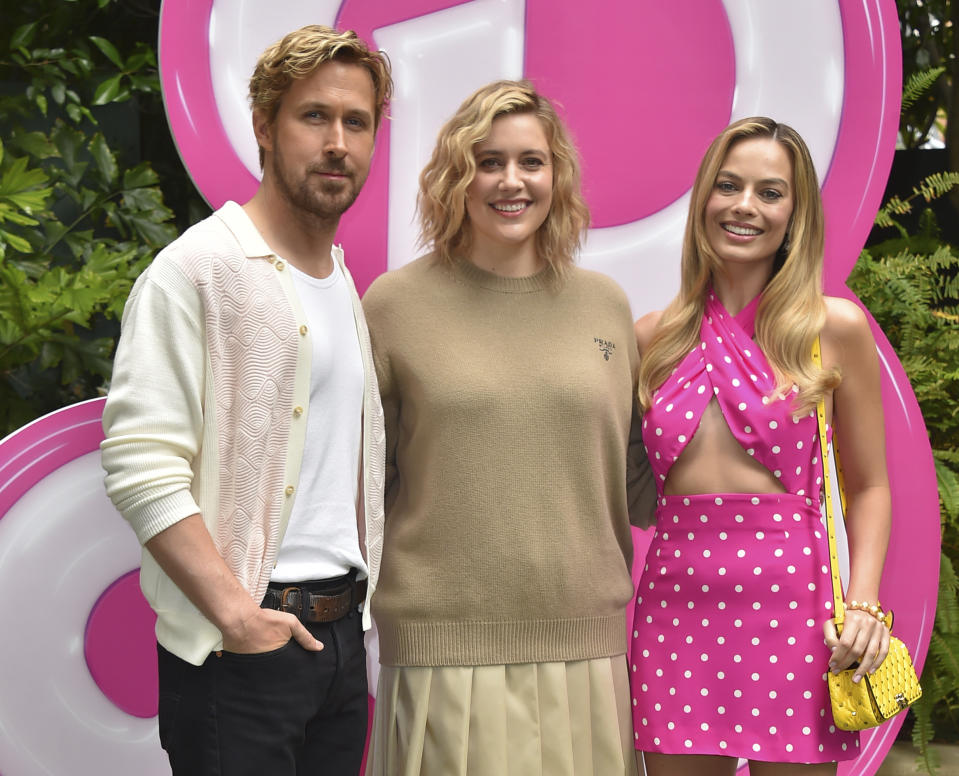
x,y
309,606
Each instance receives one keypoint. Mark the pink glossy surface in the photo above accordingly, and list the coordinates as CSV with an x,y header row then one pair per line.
x,y
603,104
118,646
641,109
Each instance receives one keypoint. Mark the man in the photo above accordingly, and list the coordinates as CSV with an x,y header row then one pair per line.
x,y
244,438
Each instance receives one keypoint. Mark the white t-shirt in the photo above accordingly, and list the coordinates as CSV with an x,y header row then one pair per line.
x,y
321,540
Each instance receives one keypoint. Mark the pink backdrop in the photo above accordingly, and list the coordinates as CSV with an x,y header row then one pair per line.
x,y
644,87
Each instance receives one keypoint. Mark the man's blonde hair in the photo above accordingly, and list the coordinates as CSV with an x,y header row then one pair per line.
x,y
302,51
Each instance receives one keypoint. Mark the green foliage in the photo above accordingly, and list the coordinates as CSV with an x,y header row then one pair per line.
x,y
76,224
910,283
918,83
929,44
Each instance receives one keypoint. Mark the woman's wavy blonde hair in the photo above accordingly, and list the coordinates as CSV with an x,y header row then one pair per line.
x,y
792,309
300,52
444,222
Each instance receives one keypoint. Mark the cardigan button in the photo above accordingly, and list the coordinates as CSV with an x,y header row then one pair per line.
x,y
279,266
303,330
297,411
289,490
271,258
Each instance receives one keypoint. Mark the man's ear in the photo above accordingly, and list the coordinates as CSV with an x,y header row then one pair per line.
x,y
263,129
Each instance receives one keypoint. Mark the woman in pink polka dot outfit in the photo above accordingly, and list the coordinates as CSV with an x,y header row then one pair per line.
x,y
728,657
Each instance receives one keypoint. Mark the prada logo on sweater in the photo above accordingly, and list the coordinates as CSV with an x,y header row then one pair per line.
x,y
606,346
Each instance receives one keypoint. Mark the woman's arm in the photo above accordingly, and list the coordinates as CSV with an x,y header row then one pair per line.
x,y
848,344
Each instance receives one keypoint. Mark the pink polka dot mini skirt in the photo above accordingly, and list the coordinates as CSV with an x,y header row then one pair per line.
x,y
727,654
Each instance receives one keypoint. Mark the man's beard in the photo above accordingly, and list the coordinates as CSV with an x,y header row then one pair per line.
x,y
326,200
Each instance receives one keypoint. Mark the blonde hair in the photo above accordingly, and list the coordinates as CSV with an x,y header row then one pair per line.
x,y
444,222
792,309
300,52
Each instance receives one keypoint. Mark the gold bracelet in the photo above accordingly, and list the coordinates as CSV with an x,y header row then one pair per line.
x,y
864,606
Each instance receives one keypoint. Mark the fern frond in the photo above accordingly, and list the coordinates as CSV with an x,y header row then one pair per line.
x,y
896,205
947,609
948,482
918,83
923,732
937,184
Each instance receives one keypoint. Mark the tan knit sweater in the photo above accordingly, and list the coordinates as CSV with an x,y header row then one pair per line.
x,y
508,405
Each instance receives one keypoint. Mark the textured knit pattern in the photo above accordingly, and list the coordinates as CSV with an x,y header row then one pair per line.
x,y
252,339
213,357
508,406
728,654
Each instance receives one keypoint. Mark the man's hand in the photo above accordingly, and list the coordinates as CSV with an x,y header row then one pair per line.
x,y
185,551
265,630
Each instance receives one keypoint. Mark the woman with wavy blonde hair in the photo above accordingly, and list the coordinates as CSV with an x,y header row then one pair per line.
x,y
507,376
736,594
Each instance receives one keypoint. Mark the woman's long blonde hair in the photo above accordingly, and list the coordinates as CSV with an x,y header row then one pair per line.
x,y
792,309
445,225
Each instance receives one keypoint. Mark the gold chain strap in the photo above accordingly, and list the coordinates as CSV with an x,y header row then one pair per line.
x,y
839,610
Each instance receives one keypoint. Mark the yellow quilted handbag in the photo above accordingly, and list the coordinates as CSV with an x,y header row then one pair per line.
x,y
893,686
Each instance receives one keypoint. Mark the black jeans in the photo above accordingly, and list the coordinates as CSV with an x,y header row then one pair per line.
x,y
288,712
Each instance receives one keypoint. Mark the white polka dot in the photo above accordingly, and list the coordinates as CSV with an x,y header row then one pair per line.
x,y
688,744
722,571
722,535
704,657
756,747
742,405
774,588
681,437
774,623
778,552
687,673
789,747
773,424
806,730
689,415
706,553
757,606
722,744
789,712
791,569
776,449
741,553
755,639
807,695
659,432
755,677
669,407
701,389
748,429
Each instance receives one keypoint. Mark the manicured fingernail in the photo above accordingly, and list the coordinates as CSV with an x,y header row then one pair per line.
x,y
856,678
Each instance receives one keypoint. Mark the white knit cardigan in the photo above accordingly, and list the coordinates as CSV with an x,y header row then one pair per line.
x,y
205,413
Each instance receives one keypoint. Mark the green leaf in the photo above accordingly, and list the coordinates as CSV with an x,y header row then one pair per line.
x,y
36,144
23,35
141,175
108,91
74,112
15,242
108,49
58,91
41,102
106,161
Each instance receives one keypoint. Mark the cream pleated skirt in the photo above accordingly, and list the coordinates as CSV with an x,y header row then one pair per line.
x,y
528,719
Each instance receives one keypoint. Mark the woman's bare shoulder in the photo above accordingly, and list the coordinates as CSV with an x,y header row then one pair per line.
x,y
645,327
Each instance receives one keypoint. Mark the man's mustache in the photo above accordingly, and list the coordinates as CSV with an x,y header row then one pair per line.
x,y
334,168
